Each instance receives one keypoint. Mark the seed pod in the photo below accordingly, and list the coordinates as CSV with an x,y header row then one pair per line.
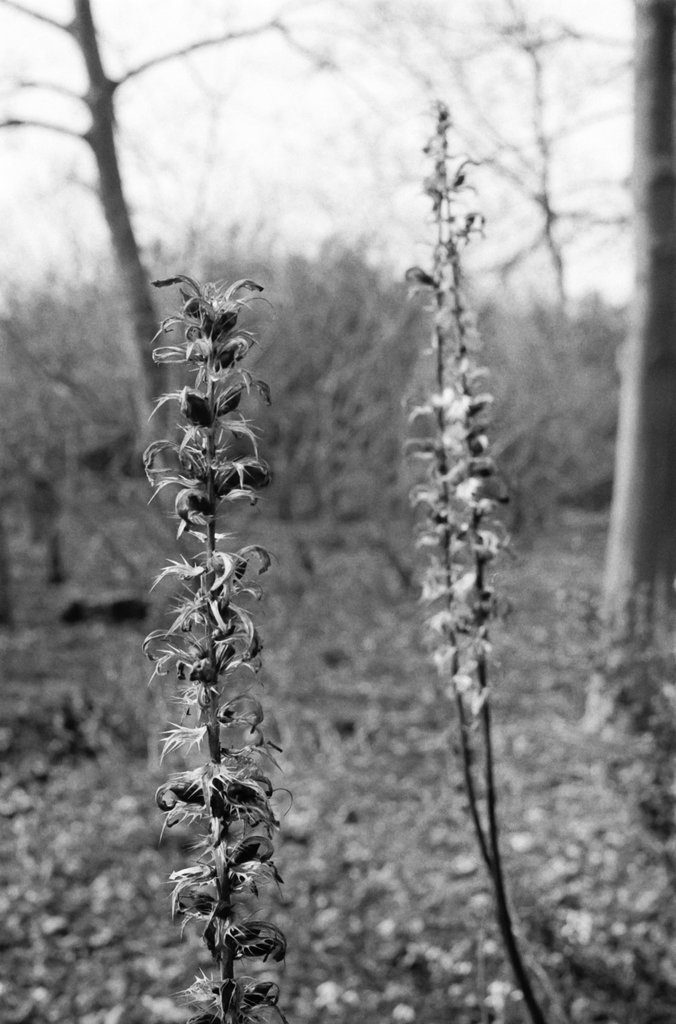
x,y
260,993
243,710
419,276
256,939
197,350
224,320
254,791
478,403
191,503
257,477
483,467
255,647
227,479
193,311
225,652
218,802
194,901
251,848
477,441
196,408
202,671
494,490
225,354
183,792
229,400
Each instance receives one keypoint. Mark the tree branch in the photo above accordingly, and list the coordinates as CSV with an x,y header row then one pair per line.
x,y
546,202
322,62
509,264
36,15
595,220
568,32
199,44
34,83
61,129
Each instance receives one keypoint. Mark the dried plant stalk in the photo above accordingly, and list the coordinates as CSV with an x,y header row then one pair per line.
x,y
210,644
458,500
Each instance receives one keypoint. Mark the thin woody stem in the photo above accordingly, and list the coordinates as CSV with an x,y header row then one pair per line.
x,y
466,749
450,344
444,241
213,726
497,874
224,954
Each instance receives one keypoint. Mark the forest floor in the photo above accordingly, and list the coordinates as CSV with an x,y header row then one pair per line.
x,y
385,904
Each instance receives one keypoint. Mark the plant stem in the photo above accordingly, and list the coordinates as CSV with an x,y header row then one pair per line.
x,y
454,391
466,749
207,644
225,954
497,874
442,249
213,725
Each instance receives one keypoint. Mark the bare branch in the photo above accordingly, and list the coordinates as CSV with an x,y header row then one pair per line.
x,y
545,199
508,264
485,128
595,220
568,130
36,15
199,44
34,83
61,129
321,61
575,35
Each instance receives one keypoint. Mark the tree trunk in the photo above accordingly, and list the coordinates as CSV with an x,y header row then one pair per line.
x,y
639,597
101,138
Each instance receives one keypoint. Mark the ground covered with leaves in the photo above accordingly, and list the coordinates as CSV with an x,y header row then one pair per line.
x,y
385,903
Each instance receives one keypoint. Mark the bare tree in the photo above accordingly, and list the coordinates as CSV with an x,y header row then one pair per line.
x,y
641,556
100,136
536,44
522,141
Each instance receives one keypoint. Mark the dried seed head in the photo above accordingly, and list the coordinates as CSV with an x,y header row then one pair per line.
x,y
212,638
196,407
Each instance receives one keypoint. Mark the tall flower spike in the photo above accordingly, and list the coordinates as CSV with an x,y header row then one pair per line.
x,y
458,500
210,644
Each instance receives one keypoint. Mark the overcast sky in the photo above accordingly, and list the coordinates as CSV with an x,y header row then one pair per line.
x,y
253,135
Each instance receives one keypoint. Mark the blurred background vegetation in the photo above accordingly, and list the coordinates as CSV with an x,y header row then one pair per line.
x,y
341,344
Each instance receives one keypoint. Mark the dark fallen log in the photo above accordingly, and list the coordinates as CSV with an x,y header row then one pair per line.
x,y
113,608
